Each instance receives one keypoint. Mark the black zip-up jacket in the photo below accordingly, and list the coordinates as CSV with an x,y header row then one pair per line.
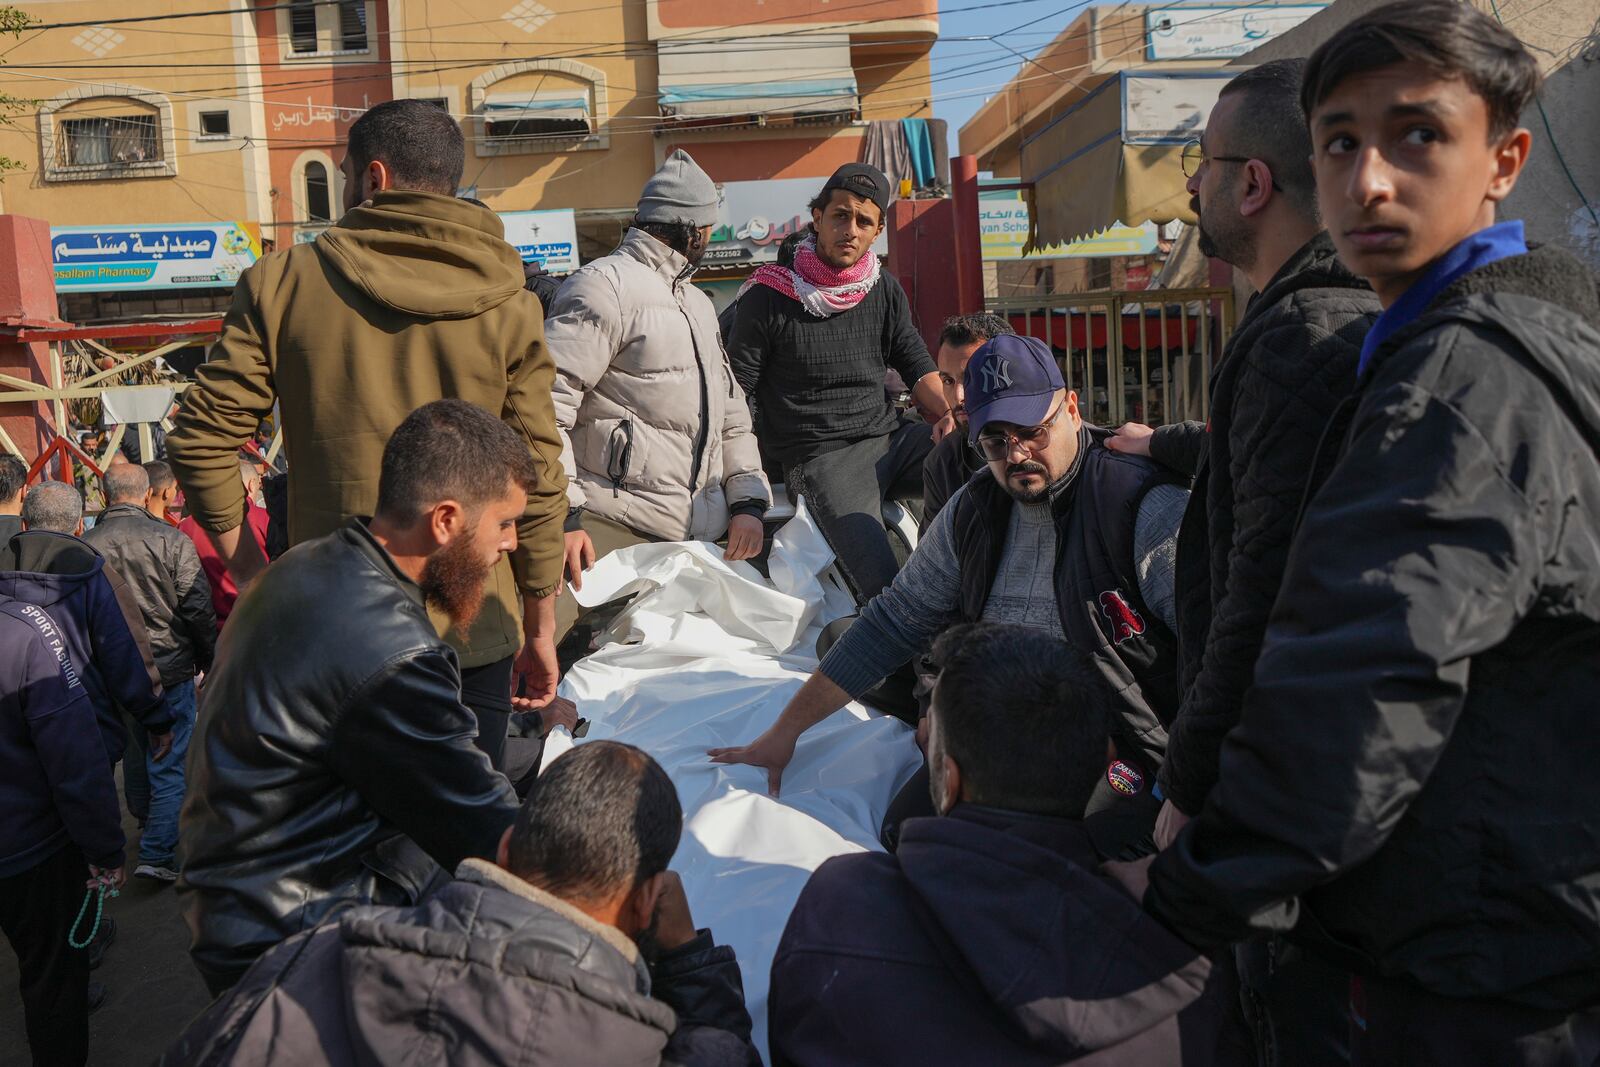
x,y
163,570
1286,369
1412,779
332,742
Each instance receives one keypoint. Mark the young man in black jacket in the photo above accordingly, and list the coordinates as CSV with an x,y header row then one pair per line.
x,y
334,763
1430,667
810,345
1287,366
575,945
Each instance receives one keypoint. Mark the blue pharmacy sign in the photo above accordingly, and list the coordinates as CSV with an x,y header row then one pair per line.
x,y
165,256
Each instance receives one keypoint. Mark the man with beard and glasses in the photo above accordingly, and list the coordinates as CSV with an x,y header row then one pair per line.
x,y
1288,365
655,433
574,946
1066,536
334,762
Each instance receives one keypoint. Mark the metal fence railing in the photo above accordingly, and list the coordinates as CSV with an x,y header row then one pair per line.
x,y
1131,355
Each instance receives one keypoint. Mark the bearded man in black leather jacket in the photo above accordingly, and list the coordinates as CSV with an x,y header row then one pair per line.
x,y
334,763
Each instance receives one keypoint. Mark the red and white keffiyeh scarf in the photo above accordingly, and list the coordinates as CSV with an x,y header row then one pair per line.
x,y
820,289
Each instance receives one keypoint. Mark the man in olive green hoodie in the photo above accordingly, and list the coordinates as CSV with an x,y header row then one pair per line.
x,y
412,297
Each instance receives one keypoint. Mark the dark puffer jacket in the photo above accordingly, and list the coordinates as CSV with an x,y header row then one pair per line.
x,y
1412,778
489,972
1286,369
989,937
163,569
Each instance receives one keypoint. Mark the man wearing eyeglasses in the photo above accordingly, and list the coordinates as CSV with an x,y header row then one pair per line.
x,y
1061,533
1289,364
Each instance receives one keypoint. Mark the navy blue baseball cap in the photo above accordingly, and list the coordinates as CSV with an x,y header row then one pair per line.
x,y
1012,378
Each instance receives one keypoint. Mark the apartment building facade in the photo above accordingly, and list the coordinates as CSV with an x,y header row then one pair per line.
x,y
132,122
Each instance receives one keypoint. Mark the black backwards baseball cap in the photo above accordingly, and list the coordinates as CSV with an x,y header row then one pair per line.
x,y
1012,378
863,180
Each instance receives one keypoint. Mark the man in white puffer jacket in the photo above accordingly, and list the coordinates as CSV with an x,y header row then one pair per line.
x,y
655,432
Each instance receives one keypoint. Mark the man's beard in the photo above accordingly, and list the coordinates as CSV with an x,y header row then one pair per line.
x,y
1028,496
452,580
1234,247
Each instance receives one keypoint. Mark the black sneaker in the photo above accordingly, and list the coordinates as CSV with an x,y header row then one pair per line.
x,y
156,872
97,996
102,941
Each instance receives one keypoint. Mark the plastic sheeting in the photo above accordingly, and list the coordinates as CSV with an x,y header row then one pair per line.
x,y
705,657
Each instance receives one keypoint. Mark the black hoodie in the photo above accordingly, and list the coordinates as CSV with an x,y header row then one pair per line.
x,y
989,937
104,634
1412,777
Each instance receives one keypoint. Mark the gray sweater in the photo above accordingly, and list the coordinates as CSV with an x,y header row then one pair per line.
x,y
902,621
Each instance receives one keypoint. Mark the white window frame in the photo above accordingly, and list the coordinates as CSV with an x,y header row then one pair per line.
x,y
200,133
482,88
297,192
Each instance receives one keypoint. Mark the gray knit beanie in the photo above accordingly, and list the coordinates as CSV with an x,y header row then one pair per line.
x,y
679,192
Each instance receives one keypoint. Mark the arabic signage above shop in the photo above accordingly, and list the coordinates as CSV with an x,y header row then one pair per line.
x,y
548,237
755,217
1219,31
202,255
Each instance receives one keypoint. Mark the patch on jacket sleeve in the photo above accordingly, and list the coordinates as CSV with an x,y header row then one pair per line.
x,y
53,640
1125,622
1124,779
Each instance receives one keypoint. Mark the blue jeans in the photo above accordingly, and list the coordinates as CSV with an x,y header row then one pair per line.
x,y
160,839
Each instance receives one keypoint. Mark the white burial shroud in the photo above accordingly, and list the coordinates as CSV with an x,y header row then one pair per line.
x,y
705,657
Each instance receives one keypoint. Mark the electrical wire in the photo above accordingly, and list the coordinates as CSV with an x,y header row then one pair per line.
x,y
653,126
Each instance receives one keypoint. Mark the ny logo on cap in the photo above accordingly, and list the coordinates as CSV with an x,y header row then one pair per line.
x,y
996,375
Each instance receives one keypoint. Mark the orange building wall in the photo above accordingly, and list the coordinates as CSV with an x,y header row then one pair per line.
x,y
312,106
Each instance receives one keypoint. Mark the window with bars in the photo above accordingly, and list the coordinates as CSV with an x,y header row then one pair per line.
x,y
113,140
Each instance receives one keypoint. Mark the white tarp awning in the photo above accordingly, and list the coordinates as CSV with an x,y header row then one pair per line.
x,y
503,107
706,657
757,76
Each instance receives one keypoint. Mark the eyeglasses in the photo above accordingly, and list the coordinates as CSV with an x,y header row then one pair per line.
x,y
997,446
1194,157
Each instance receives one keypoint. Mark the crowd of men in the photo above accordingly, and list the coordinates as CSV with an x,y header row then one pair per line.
x,y
1261,741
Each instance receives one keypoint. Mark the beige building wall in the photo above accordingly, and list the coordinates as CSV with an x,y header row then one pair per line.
x,y
130,74
545,49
